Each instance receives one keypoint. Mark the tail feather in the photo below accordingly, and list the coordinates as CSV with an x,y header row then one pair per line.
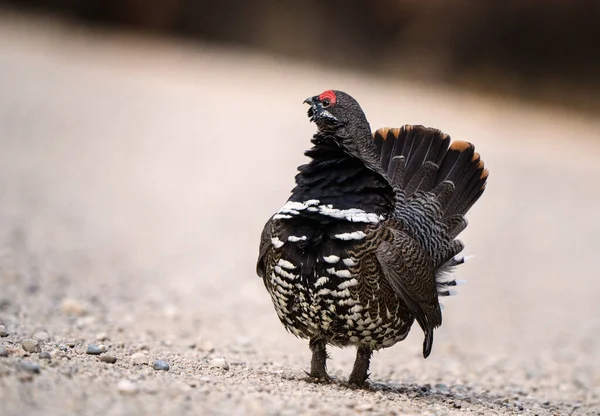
x,y
416,144
396,168
426,147
464,168
387,145
455,224
424,178
417,158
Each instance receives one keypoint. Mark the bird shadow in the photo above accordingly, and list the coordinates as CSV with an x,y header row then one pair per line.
x,y
456,396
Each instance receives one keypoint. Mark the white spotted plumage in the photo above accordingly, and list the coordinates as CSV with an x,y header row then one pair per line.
x,y
331,259
355,235
295,238
293,208
277,243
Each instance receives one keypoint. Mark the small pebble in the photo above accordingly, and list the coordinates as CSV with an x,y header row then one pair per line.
x,y
219,363
126,387
70,344
63,347
160,365
102,336
3,352
30,367
31,345
140,358
73,307
110,359
41,336
45,355
3,331
457,405
94,349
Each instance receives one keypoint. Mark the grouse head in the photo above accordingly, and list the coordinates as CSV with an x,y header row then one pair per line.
x,y
341,121
336,113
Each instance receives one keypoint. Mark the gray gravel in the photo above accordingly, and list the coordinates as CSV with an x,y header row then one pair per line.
x,y
160,365
136,175
110,359
140,358
93,349
31,345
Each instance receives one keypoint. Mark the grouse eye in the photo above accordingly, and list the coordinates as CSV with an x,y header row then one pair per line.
x,y
325,102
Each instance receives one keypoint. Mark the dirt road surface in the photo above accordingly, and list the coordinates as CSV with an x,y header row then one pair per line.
x,y
136,175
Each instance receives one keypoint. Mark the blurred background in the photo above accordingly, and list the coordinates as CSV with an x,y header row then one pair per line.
x,y
529,49
143,144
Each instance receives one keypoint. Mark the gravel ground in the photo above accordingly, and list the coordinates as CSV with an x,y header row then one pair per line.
x,y
136,175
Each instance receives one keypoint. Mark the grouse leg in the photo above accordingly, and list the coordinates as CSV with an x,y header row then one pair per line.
x,y
361,366
318,362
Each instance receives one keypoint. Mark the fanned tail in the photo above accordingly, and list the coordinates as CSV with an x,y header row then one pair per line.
x,y
418,158
437,181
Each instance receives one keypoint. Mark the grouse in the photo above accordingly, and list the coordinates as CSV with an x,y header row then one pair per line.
x,y
366,243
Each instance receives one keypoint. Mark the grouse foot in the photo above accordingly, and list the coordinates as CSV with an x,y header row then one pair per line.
x,y
318,363
361,367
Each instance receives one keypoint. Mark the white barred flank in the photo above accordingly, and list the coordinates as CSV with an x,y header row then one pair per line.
x,y
280,281
351,214
292,208
331,259
284,273
323,292
341,293
356,235
348,283
321,281
349,262
285,264
282,217
340,273
277,243
349,302
295,239
356,308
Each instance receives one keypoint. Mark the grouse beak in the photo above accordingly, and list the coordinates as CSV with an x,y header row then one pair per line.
x,y
318,114
310,101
